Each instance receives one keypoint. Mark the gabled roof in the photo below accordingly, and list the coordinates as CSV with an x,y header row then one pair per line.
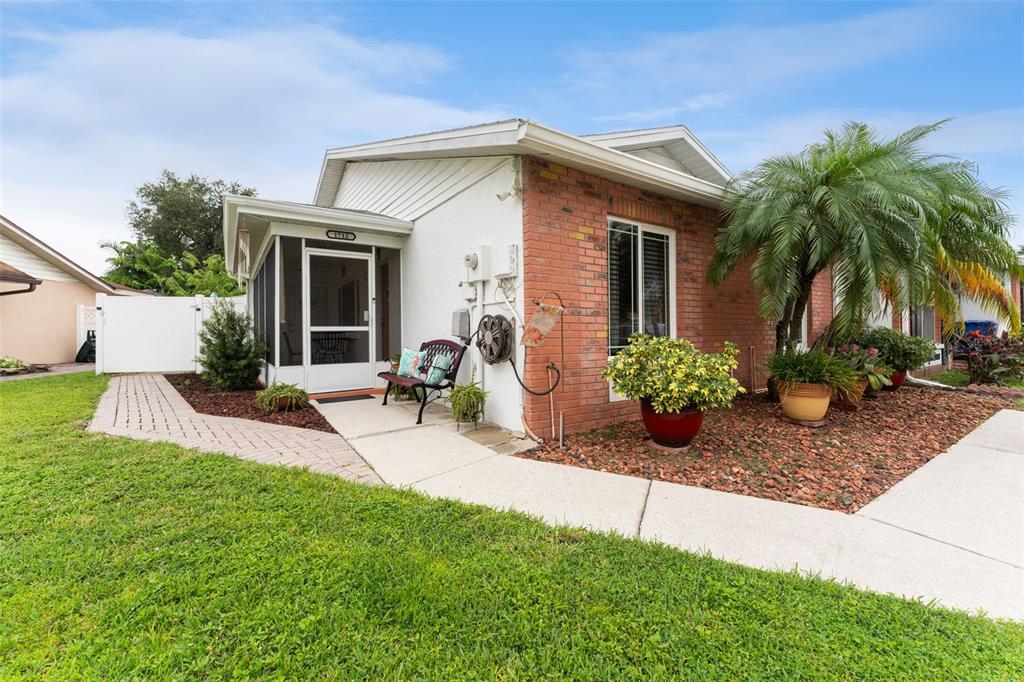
x,y
520,136
9,273
674,146
27,241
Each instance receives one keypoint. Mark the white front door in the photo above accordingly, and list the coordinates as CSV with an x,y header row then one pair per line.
x,y
339,320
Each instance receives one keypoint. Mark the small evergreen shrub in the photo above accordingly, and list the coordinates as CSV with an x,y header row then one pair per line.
x,y
271,398
231,354
7,362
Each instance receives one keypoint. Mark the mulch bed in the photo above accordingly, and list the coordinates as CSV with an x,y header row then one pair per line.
x,y
750,450
206,398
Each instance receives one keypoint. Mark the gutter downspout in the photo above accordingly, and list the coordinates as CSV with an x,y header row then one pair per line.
x,y
31,287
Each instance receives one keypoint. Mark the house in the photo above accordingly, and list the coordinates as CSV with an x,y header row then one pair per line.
x,y
490,219
407,237
41,292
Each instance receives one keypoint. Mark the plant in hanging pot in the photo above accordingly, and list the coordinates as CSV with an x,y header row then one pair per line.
x,y
806,381
871,374
900,352
674,383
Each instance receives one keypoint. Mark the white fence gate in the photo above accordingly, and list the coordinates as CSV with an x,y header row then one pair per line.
x,y
151,333
85,322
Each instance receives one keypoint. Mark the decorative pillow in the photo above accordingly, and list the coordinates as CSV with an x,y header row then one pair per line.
x,y
409,365
439,366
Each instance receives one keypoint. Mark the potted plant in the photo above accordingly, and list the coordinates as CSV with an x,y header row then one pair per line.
x,y
871,373
467,400
281,398
674,383
899,351
806,381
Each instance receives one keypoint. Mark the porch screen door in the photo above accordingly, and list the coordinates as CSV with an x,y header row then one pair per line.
x,y
339,347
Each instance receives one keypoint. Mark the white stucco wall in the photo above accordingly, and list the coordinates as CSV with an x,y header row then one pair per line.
x,y
432,267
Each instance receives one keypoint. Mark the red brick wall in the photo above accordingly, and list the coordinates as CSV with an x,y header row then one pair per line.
x,y
819,307
565,232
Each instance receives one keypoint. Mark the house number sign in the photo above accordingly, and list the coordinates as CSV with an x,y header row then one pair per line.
x,y
341,235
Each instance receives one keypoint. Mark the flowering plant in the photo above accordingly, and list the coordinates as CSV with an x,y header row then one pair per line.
x,y
867,363
898,350
673,375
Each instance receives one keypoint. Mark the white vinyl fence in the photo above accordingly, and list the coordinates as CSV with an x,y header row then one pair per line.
x,y
151,333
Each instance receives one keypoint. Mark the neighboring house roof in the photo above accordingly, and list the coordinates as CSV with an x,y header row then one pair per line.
x,y
684,173
9,273
127,290
22,238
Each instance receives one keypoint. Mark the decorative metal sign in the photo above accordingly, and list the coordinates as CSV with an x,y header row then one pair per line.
x,y
341,235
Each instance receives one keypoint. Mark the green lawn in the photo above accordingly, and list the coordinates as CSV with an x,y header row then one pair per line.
x,y
124,559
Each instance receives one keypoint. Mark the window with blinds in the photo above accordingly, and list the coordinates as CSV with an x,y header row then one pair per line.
x,y
639,283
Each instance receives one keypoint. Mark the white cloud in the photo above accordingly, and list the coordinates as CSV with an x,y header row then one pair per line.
x,y
709,100
100,112
743,59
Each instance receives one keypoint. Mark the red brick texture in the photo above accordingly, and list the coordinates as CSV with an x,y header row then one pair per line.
x,y
565,236
819,307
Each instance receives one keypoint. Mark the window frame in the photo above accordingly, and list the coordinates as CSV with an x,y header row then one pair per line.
x,y
672,283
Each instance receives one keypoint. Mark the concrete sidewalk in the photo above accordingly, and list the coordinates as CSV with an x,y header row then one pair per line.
x,y
950,532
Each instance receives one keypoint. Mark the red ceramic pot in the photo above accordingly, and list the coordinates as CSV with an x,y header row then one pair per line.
x,y
897,378
671,429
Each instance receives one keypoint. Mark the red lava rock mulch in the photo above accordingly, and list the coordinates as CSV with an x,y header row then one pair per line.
x,y
750,450
206,398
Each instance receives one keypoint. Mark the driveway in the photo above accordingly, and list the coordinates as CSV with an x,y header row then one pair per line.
x,y
951,532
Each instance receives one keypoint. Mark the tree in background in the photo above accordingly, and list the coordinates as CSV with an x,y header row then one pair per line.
x,y
894,225
143,266
182,215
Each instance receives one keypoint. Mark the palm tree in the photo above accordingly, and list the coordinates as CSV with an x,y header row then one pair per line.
x,y
896,227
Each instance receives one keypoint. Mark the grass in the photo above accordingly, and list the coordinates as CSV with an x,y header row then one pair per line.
x,y
958,377
126,559
951,377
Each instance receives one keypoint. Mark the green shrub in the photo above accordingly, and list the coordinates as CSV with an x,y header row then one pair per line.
x,y
672,374
7,362
269,399
467,400
231,355
812,367
896,349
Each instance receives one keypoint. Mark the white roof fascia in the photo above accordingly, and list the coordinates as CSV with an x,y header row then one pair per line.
x,y
631,169
629,140
236,207
517,136
47,253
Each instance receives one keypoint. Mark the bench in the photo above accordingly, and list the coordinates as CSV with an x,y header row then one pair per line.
x,y
418,384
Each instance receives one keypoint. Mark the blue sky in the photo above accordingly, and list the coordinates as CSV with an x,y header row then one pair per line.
x,y
98,98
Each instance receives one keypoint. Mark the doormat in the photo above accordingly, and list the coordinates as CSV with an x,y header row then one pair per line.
x,y
324,401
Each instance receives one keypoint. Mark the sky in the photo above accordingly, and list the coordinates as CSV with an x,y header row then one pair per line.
x,y
98,98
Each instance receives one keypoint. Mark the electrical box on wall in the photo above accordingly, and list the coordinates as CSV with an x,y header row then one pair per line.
x,y
505,261
460,323
478,263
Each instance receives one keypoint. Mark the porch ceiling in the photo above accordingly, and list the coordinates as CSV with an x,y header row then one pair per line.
x,y
255,215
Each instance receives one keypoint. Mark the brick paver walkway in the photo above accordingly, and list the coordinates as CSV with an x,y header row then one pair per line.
x,y
146,406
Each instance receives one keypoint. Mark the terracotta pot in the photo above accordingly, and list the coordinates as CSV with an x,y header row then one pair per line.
x,y
804,402
897,378
851,400
671,429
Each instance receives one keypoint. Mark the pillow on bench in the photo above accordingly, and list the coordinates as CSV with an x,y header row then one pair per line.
x,y
409,364
439,366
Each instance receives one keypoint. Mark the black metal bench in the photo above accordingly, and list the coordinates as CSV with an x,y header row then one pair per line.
x,y
429,350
